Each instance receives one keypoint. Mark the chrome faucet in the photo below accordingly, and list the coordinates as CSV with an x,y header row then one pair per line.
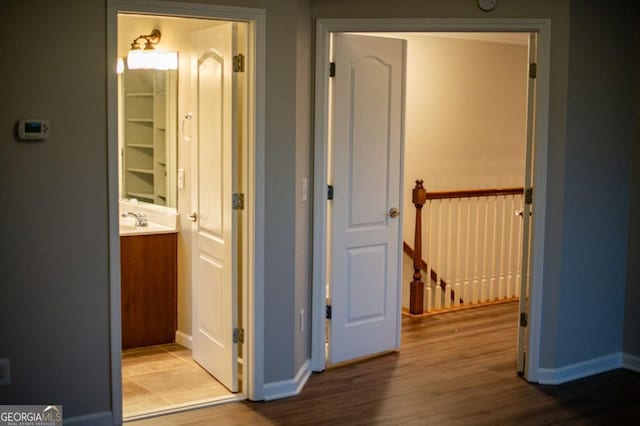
x,y
141,219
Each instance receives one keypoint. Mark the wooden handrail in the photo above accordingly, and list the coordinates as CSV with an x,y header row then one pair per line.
x,y
470,193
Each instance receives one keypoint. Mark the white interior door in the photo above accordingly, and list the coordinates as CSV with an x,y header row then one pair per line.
x,y
215,223
366,144
525,277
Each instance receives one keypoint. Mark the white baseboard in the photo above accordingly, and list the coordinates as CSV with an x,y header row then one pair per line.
x,y
631,362
291,387
104,418
184,339
556,376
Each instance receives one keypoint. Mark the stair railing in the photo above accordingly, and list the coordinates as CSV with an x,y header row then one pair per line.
x,y
478,279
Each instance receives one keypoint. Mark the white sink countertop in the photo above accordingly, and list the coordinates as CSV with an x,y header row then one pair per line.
x,y
160,220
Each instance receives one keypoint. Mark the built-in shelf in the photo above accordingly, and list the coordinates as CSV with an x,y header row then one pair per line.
x,y
145,171
140,145
143,94
144,195
140,120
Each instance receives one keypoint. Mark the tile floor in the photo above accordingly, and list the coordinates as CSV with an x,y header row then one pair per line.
x,y
158,378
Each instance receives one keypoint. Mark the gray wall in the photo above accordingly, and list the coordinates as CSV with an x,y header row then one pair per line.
x,y
632,310
591,288
54,294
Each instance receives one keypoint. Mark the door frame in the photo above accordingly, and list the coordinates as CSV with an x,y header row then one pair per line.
x,y
253,166
324,28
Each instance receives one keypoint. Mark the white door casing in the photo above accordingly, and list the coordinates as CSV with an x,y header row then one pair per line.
x,y
367,146
214,159
525,276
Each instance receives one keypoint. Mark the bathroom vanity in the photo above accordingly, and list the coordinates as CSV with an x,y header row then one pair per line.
x,y
149,289
149,274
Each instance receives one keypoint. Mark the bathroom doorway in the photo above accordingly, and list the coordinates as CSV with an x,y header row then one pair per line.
x,y
180,114
186,159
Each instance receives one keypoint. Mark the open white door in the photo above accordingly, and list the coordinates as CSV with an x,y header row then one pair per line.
x,y
366,143
215,224
525,277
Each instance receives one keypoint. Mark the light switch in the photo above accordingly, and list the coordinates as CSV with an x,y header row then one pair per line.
x,y
305,189
180,178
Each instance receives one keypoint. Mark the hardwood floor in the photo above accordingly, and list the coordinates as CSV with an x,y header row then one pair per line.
x,y
452,369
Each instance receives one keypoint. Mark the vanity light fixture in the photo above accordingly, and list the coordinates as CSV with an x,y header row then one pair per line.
x,y
143,54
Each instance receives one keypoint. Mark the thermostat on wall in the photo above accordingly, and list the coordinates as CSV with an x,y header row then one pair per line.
x,y
33,129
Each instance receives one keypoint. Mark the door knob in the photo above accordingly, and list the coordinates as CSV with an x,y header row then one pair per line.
x,y
394,212
193,217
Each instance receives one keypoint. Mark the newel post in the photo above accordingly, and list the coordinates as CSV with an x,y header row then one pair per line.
x,y
416,294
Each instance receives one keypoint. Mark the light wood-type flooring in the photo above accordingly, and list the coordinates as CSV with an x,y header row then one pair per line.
x,y
164,377
456,368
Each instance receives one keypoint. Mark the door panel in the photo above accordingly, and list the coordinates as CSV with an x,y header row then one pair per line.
x,y
215,230
366,117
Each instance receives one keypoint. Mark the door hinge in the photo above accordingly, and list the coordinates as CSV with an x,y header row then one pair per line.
x,y
238,63
524,319
329,192
238,335
238,201
528,196
328,312
332,69
533,70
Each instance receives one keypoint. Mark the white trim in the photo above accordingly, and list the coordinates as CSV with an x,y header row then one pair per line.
x,y
94,419
253,245
291,387
631,362
323,29
183,339
556,376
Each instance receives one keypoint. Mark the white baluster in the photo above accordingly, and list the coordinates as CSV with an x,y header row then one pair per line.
x,y
485,251
512,249
477,277
427,254
447,272
519,263
428,296
459,269
467,258
494,250
503,241
439,248
437,297
447,296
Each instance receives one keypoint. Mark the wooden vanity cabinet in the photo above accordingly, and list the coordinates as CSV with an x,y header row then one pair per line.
x,y
148,289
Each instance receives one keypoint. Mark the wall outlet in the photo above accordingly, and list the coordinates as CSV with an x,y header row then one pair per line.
x,y
5,372
301,321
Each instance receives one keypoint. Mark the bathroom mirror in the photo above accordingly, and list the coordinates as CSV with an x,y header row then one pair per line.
x,y
147,136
